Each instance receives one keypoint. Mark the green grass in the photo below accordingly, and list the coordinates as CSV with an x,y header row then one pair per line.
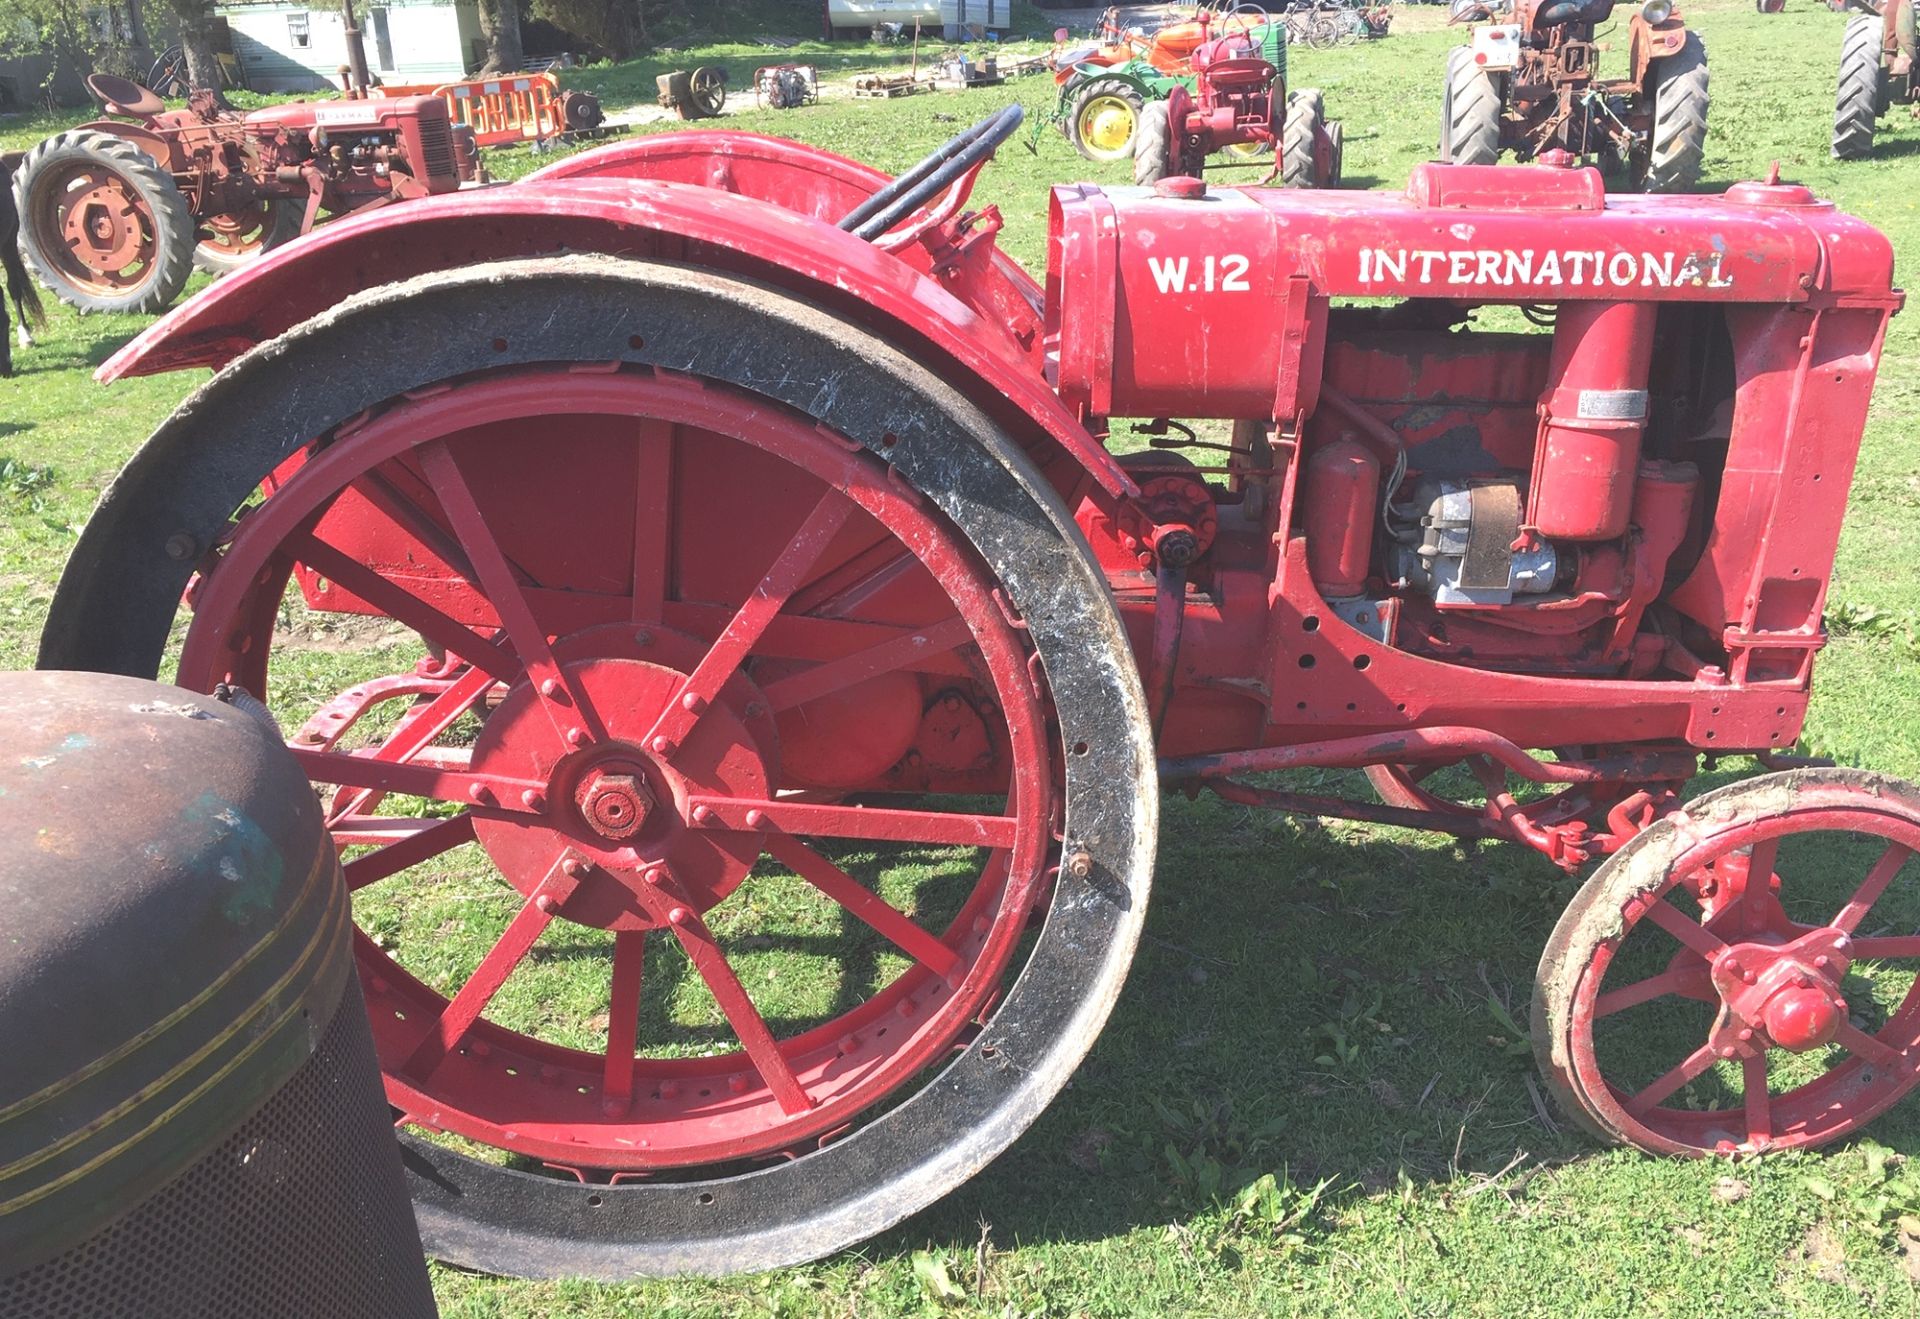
x,y
1328,1006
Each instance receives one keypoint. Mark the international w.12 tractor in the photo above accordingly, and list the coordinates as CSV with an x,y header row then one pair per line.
x,y
115,214
1531,86
1876,74
741,676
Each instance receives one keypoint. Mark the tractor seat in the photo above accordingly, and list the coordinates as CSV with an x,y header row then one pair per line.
x,y
1239,71
1236,48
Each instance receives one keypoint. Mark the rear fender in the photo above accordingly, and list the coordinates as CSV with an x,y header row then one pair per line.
x,y
694,225
1649,43
156,145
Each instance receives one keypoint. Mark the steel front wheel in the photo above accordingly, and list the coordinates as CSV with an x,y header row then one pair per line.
x,y
688,850
1741,976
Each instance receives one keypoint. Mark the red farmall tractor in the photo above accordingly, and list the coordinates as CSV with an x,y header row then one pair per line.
x,y
1876,74
115,214
746,676
1531,86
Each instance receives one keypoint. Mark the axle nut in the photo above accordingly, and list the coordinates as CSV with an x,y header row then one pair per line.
x,y
1801,1019
616,805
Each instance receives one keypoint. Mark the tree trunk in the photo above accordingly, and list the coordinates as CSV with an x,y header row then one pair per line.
x,y
137,28
500,24
197,40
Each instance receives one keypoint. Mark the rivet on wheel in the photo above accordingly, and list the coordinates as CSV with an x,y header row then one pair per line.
x,y
679,916
573,867
661,745
481,793
1746,1033
1726,1051
655,875
848,1043
693,702
755,819
1822,962
1080,864
702,814
550,687
182,545
544,902
532,799
1731,967
576,736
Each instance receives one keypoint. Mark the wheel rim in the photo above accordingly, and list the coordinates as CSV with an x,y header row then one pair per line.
x,y
239,233
596,832
1774,988
1107,124
102,232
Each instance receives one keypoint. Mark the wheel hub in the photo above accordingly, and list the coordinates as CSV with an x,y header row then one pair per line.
x,y
99,229
1785,994
614,811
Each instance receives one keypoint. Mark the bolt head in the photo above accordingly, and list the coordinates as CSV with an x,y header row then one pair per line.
x,y
615,805
1080,864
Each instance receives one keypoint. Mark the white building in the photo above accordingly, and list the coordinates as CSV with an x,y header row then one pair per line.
x,y
284,46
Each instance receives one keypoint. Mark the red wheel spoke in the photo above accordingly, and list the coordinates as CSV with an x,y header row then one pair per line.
x,y
1759,1103
1858,1042
653,520
508,951
762,1050
880,915
414,780
440,836
562,700
887,656
417,730
623,1019
404,607
822,821
1760,862
384,495
1691,1066
1849,918
1886,946
1688,931
737,639
1686,981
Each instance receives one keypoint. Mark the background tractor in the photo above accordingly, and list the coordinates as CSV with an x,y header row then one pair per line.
x,y
1531,87
1104,88
1876,74
115,214
1239,102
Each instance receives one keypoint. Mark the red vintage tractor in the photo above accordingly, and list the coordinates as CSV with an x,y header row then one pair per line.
x,y
115,214
1531,86
1239,100
748,674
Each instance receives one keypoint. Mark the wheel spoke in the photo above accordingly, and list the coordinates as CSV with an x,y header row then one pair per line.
x,y
1688,931
623,1020
1849,917
573,718
1886,946
1691,1066
879,915
1686,981
885,657
380,491
1859,1043
423,844
404,607
1758,1101
508,951
417,730
415,780
737,639
652,520
811,819
755,1037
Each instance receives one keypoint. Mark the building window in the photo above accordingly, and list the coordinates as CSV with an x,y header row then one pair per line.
x,y
299,32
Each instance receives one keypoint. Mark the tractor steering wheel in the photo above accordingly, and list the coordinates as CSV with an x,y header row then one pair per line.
x,y
1247,25
953,164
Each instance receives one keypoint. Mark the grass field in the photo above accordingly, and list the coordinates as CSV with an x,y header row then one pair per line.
x,y
1332,1006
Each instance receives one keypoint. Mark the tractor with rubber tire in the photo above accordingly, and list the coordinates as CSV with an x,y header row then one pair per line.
x,y
1104,89
116,214
738,659
1876,73
1530,87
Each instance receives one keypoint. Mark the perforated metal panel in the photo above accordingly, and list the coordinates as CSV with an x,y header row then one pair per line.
x,y
301,1213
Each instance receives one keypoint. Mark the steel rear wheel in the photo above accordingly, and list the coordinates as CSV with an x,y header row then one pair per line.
x,y
1740,977
688,849
629,767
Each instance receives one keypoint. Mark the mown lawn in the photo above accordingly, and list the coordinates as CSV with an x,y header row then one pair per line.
x,y
1329,1005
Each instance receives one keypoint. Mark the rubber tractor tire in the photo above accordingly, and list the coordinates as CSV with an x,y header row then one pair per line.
x,y
1469,112
102,225
233,241
1153,145
1104,123
1862,93
1677,145
1300,149
788,1135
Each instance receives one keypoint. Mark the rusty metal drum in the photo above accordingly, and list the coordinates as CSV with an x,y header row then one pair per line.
x,y
191,1116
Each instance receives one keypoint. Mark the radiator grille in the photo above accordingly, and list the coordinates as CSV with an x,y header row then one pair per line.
x,y
436,146
300,1214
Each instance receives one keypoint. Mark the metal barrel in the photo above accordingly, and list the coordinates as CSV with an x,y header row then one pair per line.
x,y
191,1115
